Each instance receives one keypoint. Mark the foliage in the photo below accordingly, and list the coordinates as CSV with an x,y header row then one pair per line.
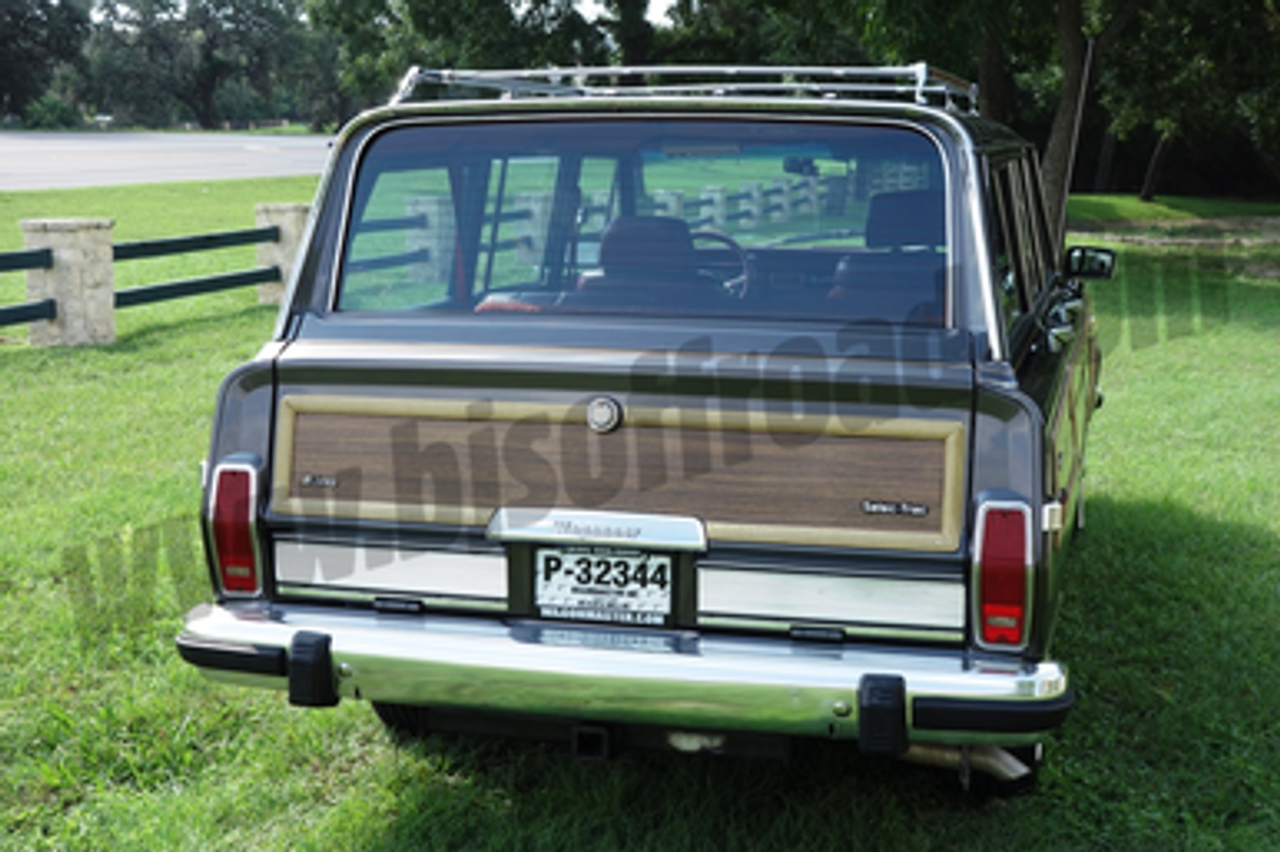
x,y
1192,69
1199,68
148,58
35,35
50,112
380,39
1012,45
631,29
781,32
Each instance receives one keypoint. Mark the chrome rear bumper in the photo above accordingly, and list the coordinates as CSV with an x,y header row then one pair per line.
x,y
672,679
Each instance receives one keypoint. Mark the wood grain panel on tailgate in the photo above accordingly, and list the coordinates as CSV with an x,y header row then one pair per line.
x,y
816,480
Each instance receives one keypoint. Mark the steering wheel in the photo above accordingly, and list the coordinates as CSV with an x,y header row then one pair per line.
x,y
738,283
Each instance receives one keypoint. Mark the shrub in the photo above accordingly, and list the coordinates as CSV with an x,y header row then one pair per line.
x,y
51,112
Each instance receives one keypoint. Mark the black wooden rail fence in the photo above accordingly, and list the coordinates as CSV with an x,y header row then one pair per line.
x,y
187,245
47,309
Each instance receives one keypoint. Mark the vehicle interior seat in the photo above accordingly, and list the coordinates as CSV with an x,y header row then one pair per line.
x,y
901,277
911,219
646,262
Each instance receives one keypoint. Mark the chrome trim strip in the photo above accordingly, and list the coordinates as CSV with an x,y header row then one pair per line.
x,y
313,593
831,598
849,631
581,526
977,214
709,682
433,573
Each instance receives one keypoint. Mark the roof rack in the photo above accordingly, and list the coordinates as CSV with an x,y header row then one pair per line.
x,y
918,83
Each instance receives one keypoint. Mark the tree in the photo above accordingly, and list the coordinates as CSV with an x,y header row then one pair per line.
x,y
778,32
308,81
150,58
379,39
1077,60
1199,69
376,41
36,35
631,30
120,79
1002,40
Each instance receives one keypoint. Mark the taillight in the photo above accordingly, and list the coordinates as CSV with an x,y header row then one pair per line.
x,y
1003,566
232,516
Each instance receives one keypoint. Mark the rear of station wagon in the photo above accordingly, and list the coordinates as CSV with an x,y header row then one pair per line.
x,y
701,415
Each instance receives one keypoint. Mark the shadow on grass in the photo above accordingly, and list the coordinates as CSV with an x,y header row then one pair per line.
x,y
1169,631
465,793
157,329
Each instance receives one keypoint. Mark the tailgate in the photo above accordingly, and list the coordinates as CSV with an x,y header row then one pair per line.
x,y
830,491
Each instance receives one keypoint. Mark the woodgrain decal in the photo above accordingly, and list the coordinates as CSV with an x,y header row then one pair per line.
x,y
751,476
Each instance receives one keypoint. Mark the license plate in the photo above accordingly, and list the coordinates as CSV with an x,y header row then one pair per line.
x,y
603,584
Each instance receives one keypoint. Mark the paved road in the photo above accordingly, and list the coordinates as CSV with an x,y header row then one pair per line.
x,y
56,160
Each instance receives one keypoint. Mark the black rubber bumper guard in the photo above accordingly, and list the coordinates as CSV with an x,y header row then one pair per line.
x,y
311,675
308,664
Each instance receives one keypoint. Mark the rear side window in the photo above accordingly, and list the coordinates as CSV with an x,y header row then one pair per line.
x,y
719,218
1024,262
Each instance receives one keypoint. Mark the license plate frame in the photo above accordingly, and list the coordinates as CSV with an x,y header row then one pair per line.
x,y
602,584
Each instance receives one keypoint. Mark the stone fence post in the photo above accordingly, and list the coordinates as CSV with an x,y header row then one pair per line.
x,y
291,219
670,202
717,199
80,280
437,235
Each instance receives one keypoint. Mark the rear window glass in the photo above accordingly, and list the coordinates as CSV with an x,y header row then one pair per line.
x,y
663,217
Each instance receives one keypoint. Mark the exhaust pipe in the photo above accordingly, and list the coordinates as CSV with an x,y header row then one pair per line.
x,y
990,760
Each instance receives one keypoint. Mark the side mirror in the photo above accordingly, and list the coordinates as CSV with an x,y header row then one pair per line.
x,y
1089,262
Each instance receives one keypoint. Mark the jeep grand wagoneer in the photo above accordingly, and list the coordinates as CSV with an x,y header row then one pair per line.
x,y
733,407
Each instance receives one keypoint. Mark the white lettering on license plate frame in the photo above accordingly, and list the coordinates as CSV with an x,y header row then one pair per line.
x,y
603,584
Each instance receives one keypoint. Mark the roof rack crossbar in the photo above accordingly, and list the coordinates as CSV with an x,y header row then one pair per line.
x,y
918,82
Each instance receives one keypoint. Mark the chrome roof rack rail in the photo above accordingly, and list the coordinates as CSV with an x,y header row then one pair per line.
x,y
917,83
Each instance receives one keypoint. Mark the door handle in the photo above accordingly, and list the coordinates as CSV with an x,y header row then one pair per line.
x,y
1070,308
1059,337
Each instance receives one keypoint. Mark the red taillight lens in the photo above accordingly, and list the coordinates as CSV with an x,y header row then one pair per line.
x,y
233,540
1003,566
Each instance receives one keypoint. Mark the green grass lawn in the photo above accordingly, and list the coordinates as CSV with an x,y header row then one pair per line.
x,y
109,741
1100,210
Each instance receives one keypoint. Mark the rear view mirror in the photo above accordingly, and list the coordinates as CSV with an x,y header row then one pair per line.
x,y
1090,262
800,166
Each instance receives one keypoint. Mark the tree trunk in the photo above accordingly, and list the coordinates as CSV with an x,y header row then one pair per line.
x,y
1155,167
632,30
993,100
1059,152
1106,161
